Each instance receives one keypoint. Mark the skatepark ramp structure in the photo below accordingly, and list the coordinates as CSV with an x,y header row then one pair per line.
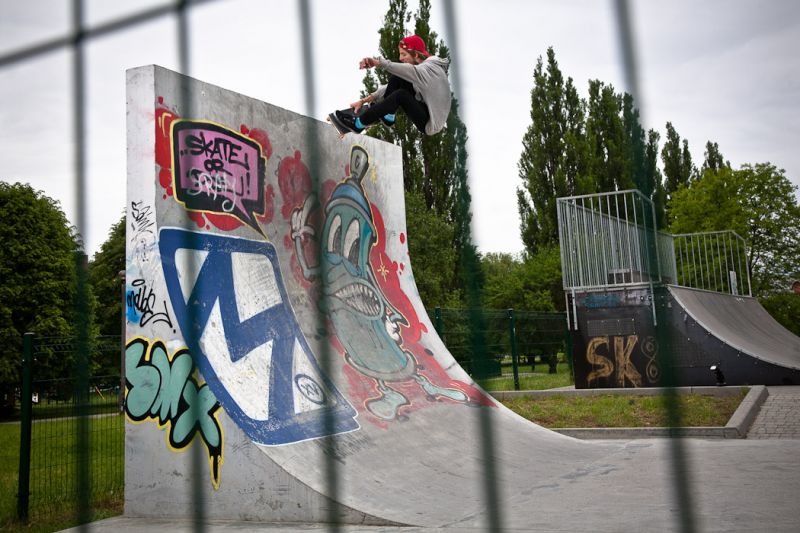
x,y
275,329
613,261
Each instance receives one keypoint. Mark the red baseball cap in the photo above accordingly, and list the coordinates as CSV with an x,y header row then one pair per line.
x,y
414,42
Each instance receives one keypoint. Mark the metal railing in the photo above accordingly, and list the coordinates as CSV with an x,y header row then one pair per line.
x,y
605,240
713,261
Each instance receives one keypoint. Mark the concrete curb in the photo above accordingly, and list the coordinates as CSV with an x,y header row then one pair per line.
x,y
736,428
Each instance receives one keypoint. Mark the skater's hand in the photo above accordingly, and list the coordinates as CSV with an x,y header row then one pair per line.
x,y
356,106
368,62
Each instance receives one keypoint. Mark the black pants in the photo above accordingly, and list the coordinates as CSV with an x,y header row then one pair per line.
x,y
399,93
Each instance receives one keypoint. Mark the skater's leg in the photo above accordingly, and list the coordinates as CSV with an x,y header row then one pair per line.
x,y
400,98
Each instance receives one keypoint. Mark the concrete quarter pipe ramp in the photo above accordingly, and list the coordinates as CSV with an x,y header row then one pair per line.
x,y
231,356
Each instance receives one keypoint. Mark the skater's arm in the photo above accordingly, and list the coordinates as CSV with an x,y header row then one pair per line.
x,y
370,98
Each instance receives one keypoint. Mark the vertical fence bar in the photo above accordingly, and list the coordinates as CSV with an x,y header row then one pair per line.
x,y
25,423
512,336
122,339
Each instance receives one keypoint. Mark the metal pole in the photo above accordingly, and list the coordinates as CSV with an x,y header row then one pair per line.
x,y
512,334
122,341
26,407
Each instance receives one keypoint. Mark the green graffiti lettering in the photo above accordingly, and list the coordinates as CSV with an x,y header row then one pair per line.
x,y
164,389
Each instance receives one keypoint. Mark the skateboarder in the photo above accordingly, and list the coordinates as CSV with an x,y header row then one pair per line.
x,y
418,84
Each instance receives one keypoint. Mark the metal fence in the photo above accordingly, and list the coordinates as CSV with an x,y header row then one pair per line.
x,y
714,261
588,268
605,240
520,337
67,433
610,240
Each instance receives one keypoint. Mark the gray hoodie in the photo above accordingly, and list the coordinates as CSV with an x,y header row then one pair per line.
x,y
430,82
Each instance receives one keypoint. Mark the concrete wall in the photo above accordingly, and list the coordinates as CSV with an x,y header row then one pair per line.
x,y
236,393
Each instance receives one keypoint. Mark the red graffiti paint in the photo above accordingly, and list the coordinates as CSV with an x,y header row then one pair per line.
x,y
402,238
294,182
260,136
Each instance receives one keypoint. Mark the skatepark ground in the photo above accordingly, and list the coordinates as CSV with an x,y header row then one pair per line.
x,y
748,484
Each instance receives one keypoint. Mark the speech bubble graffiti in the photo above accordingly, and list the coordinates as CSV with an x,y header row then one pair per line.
x,y
217,170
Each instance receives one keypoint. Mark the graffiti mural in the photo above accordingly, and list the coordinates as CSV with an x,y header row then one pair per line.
x,y
213,171
217,170
164,389
367,324
611,357
233,310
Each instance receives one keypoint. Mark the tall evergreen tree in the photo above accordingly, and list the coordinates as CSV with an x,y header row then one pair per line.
x,y
553,162
713,158
635,137
659,194
677,160
605,133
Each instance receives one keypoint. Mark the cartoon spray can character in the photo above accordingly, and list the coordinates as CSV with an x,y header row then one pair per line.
x,y
364,320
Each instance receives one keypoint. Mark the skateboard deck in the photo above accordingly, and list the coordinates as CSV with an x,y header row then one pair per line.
x,y
341,129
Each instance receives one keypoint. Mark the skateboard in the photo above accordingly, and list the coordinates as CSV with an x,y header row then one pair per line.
x,y
341,128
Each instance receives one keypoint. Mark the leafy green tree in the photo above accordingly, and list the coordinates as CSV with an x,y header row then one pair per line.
x,y
38,269
785,309
759,203
430,247
529,283
106,284
553,160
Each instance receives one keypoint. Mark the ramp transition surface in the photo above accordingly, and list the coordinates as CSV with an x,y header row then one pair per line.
x,y
741,323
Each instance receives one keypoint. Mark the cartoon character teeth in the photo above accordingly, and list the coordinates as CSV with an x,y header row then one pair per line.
x,y
358,309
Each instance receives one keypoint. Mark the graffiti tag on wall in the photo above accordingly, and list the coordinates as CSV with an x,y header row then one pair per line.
x,y
164,389
142,305
611,356
218,170
232,307
143,231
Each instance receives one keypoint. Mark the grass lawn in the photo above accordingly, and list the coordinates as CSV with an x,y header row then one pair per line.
x,y
613,411
539,380
54,471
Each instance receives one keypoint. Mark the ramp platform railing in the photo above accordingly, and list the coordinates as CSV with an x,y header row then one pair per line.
x,y
606,242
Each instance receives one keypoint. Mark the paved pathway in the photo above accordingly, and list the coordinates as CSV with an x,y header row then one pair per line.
x,y
779,417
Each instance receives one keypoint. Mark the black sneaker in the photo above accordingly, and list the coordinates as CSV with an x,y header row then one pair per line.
x,y
348,118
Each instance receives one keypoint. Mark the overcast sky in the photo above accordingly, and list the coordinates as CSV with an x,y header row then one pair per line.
x,y
720,70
